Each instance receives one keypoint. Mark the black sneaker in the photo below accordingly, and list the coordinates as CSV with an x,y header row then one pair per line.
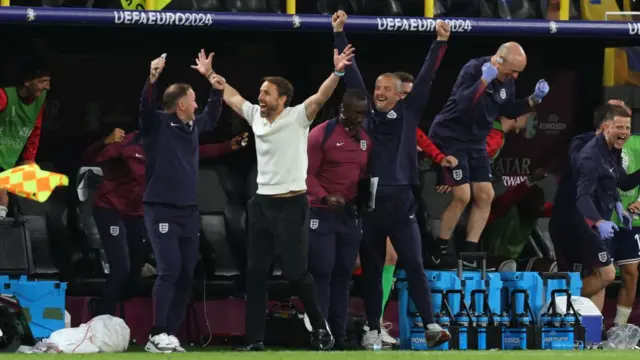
x,y
346,345
251,347
322,339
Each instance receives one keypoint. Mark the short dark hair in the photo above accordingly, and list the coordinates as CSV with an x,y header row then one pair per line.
x,y
283,85
354,95
405,77
608,112
34,69
174,93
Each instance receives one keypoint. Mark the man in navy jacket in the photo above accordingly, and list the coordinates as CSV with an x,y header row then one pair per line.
x,y
170,142
391,123
483,92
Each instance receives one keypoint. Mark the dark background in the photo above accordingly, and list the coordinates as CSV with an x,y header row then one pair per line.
x,y
107,67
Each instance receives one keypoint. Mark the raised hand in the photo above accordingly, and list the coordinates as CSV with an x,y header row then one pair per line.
x,y
443,30
204,63
541,90
116,136
489,72
156,68
340,61
240,141
338,20
217,81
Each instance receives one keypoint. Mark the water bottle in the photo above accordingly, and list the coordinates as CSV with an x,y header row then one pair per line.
x,y
482,322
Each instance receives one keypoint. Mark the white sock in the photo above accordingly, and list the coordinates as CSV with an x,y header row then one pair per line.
x,y
622,315
3,212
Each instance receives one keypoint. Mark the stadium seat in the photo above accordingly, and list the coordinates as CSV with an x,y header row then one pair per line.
x,y
381,7
246,5
436,203
211,195
515,9
213,229
89,239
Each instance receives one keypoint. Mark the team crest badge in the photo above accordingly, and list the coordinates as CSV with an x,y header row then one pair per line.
x,y
457,174
603,256
114,230
314,224
163,228
503,94
363,145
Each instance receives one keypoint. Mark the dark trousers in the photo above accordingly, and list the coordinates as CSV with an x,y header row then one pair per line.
x,y
173,232
334,242
394,216
278,223
123,244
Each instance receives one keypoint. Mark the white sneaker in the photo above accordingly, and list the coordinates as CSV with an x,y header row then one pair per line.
x,y
436,336
371,339
174,340
160,343
387,339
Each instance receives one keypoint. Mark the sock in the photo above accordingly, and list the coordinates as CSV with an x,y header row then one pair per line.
x,y
622,315
387,283
468,246
444,245
3,212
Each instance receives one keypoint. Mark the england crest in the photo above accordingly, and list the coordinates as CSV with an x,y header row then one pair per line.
x,y
457,174
114,230
363,145
314,224
503,94
603,256
163,228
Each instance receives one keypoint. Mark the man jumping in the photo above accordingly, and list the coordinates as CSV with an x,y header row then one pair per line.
x,y
393,165
484,91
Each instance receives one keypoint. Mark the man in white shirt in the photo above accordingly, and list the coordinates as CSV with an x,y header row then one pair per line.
x,y
278,214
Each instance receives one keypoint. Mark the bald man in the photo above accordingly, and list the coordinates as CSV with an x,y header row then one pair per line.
x,y
483,92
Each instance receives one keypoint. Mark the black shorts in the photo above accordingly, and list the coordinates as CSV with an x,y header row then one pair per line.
x,y
579,246
625,247
474,166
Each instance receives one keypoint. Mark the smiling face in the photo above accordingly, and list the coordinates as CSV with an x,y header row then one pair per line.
x,y
387,92
270,100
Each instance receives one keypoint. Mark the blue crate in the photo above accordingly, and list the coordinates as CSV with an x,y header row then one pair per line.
x,y
412,336
575,285
473,281
42,304
531,282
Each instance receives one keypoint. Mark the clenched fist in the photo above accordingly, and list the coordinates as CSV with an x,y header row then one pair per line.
x,y
338,20
116,136
443,30
157,66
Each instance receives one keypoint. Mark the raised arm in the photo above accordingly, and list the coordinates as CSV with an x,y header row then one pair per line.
x,y
208,120
514,108
352,78
148,106
417,99
104,149
340,60
234,100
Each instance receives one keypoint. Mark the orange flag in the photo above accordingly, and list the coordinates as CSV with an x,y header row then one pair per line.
x,y
31,182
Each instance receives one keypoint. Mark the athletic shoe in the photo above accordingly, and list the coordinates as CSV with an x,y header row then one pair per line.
x,y
160,343
174,340
371,339
436,336
387,340
252,347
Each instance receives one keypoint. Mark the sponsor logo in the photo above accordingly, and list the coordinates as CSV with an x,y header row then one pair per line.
x,y
420,25
161,18
518,168
392,115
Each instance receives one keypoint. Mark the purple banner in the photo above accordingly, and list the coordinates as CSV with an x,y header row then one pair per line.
x,y
361,24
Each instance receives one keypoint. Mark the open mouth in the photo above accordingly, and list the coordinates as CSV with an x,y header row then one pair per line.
x,y
263,107
621,139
